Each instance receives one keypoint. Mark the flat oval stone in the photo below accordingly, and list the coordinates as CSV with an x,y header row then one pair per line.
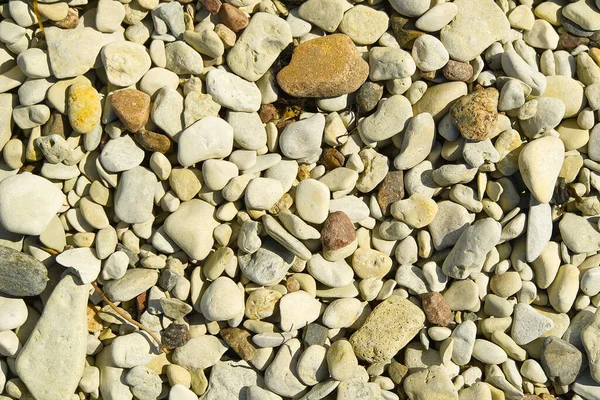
x,y
211,137
324,67
134,198
268,265
132,284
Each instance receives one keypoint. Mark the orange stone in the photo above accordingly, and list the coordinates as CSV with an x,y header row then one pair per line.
x,y
324,67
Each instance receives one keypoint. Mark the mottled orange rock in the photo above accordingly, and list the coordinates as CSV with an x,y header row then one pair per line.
x,y
84,107
324,67
476,114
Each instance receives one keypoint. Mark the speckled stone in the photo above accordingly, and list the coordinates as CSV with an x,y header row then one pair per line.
x,y
132,107
476,114
390,190
329,66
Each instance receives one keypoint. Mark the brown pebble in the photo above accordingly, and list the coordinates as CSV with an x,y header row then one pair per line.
x,y
328,66
457,71
332,159
152,141
390,190
292,284
338,231
476,114
58,124
227,36
175,335
212,6
436,309
233,18
368,96
268,112
141,302
566,41
70,21
132,107
239,340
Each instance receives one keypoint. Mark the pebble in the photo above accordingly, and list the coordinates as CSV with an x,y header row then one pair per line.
x,y
432,382
528,324
232,92
417,211
338,237
28,203
259,45
298,309
268,265
341,360
83,107
198,142
200,352
14,313
412,8
417,141
461,37
280,375
389,327
387,63
475,115
145,383
438,99
383,124
561,360
133,201
222,300
301,140
327,14
60,334
132,284
316,70
125,62
231,378
132,107
437,17
429,53
540,173
121,154
312,201
82,262
364,25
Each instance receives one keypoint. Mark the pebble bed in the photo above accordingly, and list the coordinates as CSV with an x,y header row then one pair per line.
x,y
319,199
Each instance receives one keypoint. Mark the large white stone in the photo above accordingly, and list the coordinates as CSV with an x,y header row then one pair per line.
x,y
53,358
211,137
233,92
28,203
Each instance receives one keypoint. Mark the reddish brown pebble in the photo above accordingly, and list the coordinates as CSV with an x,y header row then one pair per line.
x,y
132,107
212,6
239,340
233,18
175,335
566,41
152,141
140,302
332,159
338,231
70,21
476,114
268,112
457,71
436,309
390,190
